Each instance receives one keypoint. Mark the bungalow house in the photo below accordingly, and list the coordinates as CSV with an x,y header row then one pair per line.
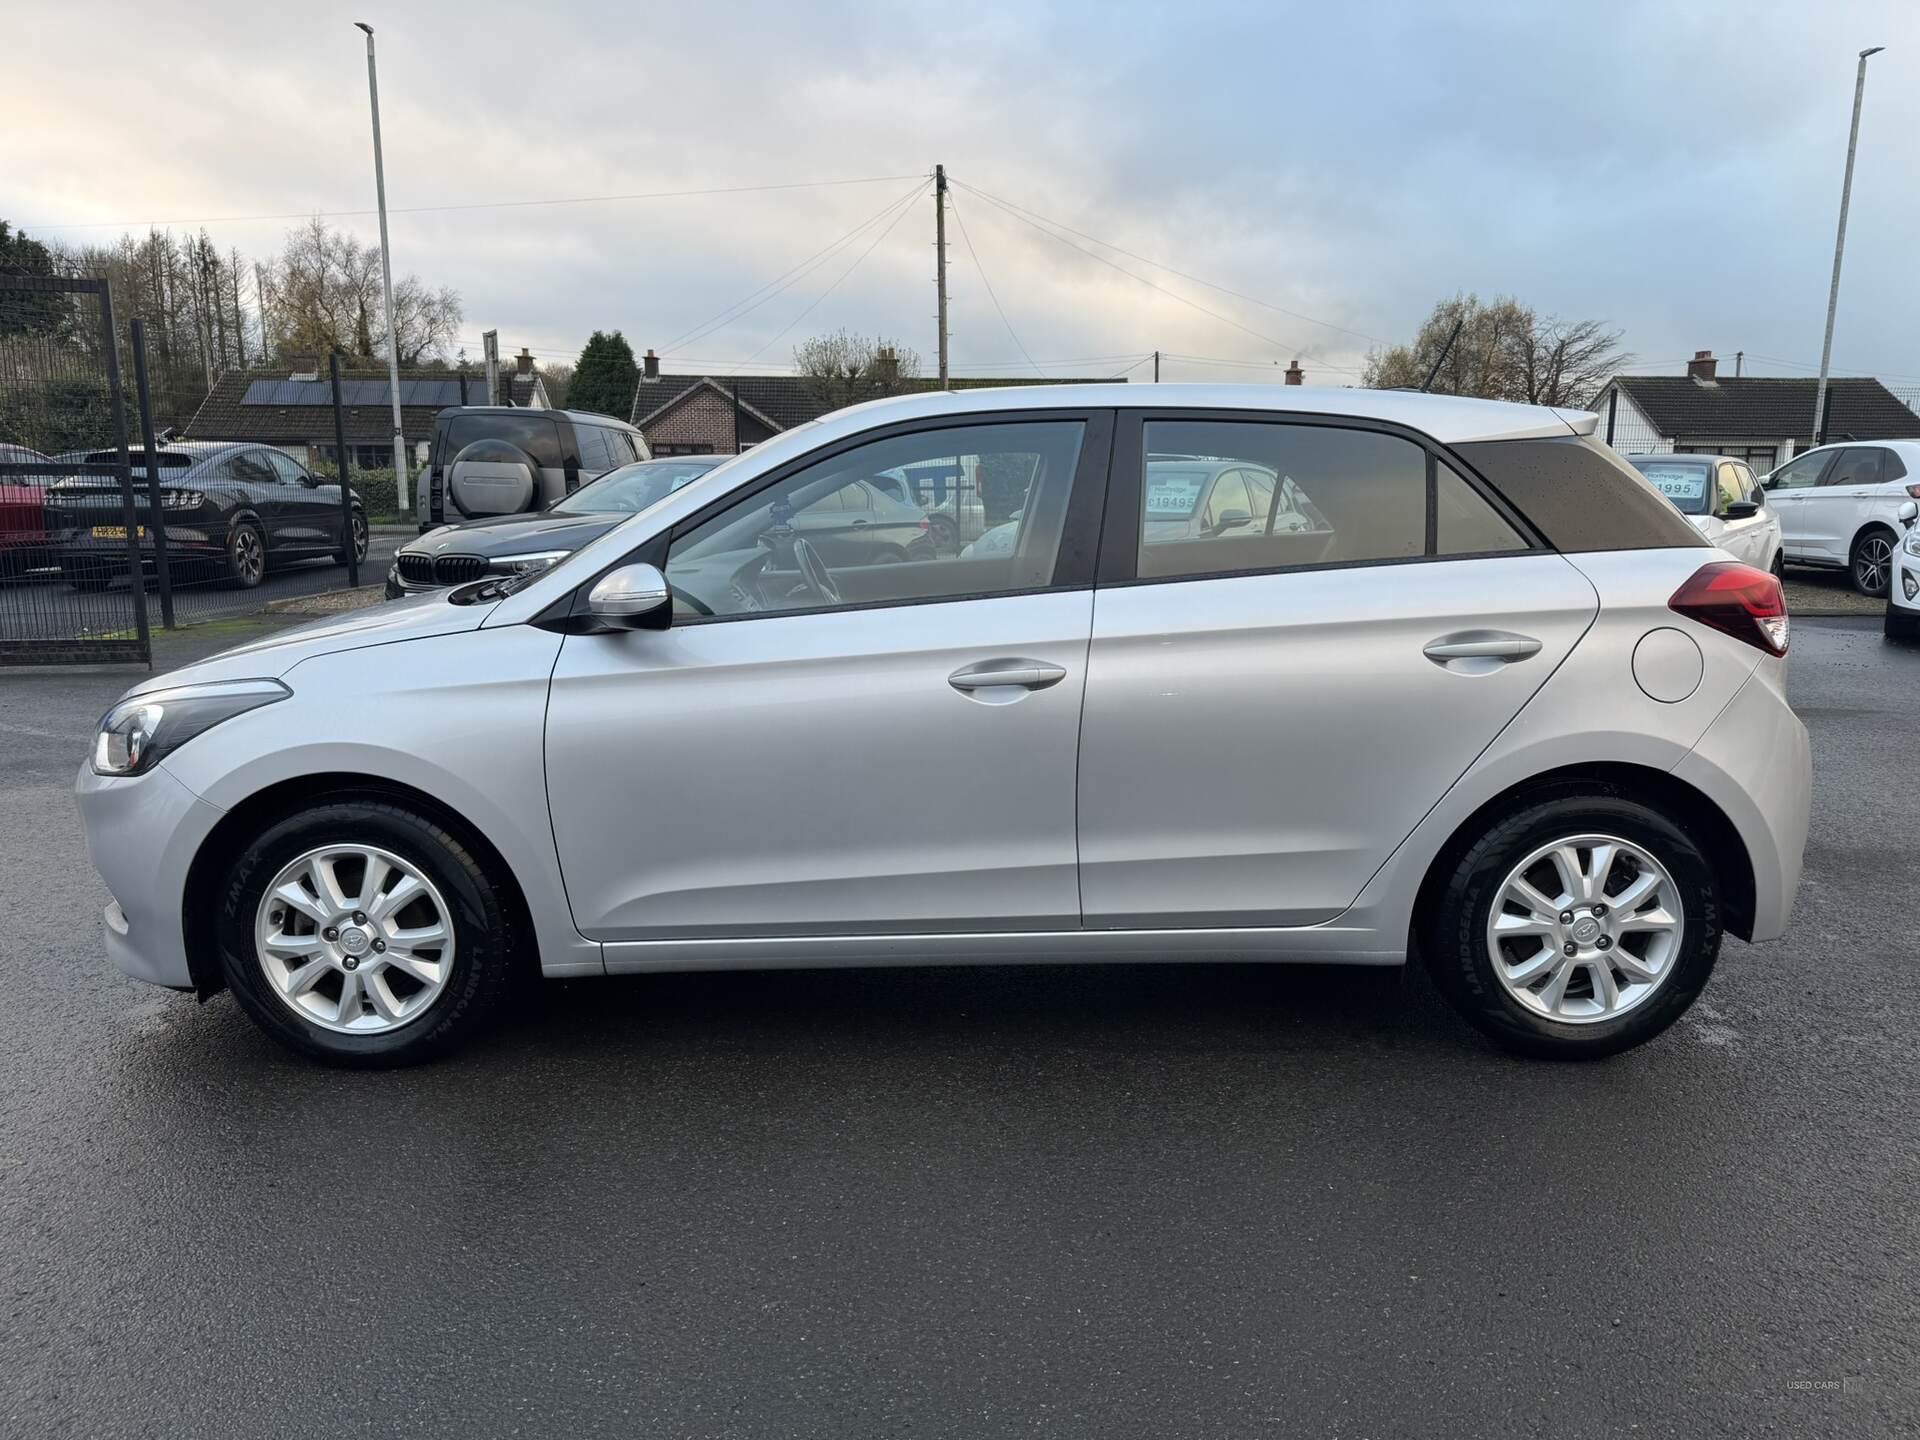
x,y
724,414
1762,420
294,409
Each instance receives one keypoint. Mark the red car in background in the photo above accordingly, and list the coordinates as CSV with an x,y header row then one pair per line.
x,y
23,518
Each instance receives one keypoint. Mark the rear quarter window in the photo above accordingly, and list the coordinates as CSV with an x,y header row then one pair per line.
x,y
1580,495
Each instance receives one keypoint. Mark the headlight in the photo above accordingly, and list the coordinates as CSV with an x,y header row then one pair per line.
x,y
138,732
1912,546
521,564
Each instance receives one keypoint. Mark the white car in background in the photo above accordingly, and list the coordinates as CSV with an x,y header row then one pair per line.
x,y
1724,502
1903,596
1838,506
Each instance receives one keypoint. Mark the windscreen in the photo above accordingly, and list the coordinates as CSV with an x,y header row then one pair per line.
x,y
1687,483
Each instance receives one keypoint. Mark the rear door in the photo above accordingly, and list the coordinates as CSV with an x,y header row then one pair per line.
x,y
261,491
1272,707
1831,512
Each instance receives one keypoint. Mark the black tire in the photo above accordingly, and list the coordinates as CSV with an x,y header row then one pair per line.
x,y
359,524
1870,562
1778,569
483,929
1454,940
245,561
1901,624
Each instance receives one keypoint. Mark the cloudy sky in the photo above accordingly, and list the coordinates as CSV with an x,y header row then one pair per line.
x,y
1328,171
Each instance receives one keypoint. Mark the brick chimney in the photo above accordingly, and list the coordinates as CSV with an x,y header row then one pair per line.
x,y
1702,365
1295,375
886,365
525,361
650,367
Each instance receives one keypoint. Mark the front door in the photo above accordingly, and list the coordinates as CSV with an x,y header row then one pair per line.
x,y
821,748
1789,489
312,512
1271,708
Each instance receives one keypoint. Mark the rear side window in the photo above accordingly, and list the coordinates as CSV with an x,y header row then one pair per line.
x,y
1464,523
593,448
1333,497
1857,465
1580,495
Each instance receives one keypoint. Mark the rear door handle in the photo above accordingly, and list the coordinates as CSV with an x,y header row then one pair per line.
x,y
1501,647
1027,674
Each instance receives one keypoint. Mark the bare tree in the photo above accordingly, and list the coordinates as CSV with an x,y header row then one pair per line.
x,y
844,369
1504,351
326,294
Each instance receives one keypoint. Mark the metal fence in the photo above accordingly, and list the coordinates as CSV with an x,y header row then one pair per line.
x,y
63,427
106,526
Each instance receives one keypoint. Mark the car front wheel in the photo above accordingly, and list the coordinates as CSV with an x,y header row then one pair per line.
x,y
359,541
1576,926
364,933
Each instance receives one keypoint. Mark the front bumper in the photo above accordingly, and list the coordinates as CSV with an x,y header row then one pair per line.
x,y
1904,593
142,834
1756,764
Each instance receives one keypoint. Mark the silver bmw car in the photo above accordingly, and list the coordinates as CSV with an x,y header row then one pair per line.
x,y
1498,710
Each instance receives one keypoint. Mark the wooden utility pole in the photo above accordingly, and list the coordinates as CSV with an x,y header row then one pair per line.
x,y
1156,367
940,258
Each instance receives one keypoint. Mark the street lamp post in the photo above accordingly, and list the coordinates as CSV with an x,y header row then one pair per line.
x,y
1839,242
386,280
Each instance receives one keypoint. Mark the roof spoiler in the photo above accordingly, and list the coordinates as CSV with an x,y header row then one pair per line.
x,y
1581,422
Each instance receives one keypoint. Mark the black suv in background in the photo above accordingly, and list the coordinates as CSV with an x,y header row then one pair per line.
x,y
509,460
229,509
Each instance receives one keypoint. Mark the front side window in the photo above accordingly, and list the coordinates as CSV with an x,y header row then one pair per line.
x,y
830,534
1731,490
290,473
1800,473
1223,496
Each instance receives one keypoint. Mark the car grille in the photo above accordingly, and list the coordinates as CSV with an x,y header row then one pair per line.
x,y
458,569
416,569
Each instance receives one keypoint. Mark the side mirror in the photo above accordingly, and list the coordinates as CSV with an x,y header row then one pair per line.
x,y
1759,495
1741,510
634,597
1231,519
1907,513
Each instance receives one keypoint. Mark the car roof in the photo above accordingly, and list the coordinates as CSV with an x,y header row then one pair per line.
x,y
581,417
1449,419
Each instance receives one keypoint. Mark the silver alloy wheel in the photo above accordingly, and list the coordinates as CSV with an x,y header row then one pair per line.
x,y
1585,929
249,559
354,939
359,536
1872,564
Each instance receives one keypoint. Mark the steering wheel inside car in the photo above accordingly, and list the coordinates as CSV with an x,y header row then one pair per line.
x,y
818,579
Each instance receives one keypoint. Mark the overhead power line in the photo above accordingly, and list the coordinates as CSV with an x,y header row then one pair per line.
x,y
968,239
1184,275
783,281
906,204
470,205
1274,341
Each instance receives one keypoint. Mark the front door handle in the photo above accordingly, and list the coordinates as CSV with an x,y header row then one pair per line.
x,y
1027,674
1479,652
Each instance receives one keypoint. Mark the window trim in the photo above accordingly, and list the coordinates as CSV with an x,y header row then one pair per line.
x,y
1120,532
1073,569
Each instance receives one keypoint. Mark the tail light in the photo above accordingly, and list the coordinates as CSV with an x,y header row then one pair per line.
x,y
923,525
1736,600
1914,491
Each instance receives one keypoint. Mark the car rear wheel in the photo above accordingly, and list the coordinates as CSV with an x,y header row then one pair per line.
x,y
1576,926
1872,561
359,532
246,556
364,933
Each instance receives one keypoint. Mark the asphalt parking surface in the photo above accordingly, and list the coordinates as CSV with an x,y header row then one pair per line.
x,y
43,605
1154,1201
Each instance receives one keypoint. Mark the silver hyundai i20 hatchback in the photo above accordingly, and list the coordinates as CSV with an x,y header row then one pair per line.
x,y
1252,674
